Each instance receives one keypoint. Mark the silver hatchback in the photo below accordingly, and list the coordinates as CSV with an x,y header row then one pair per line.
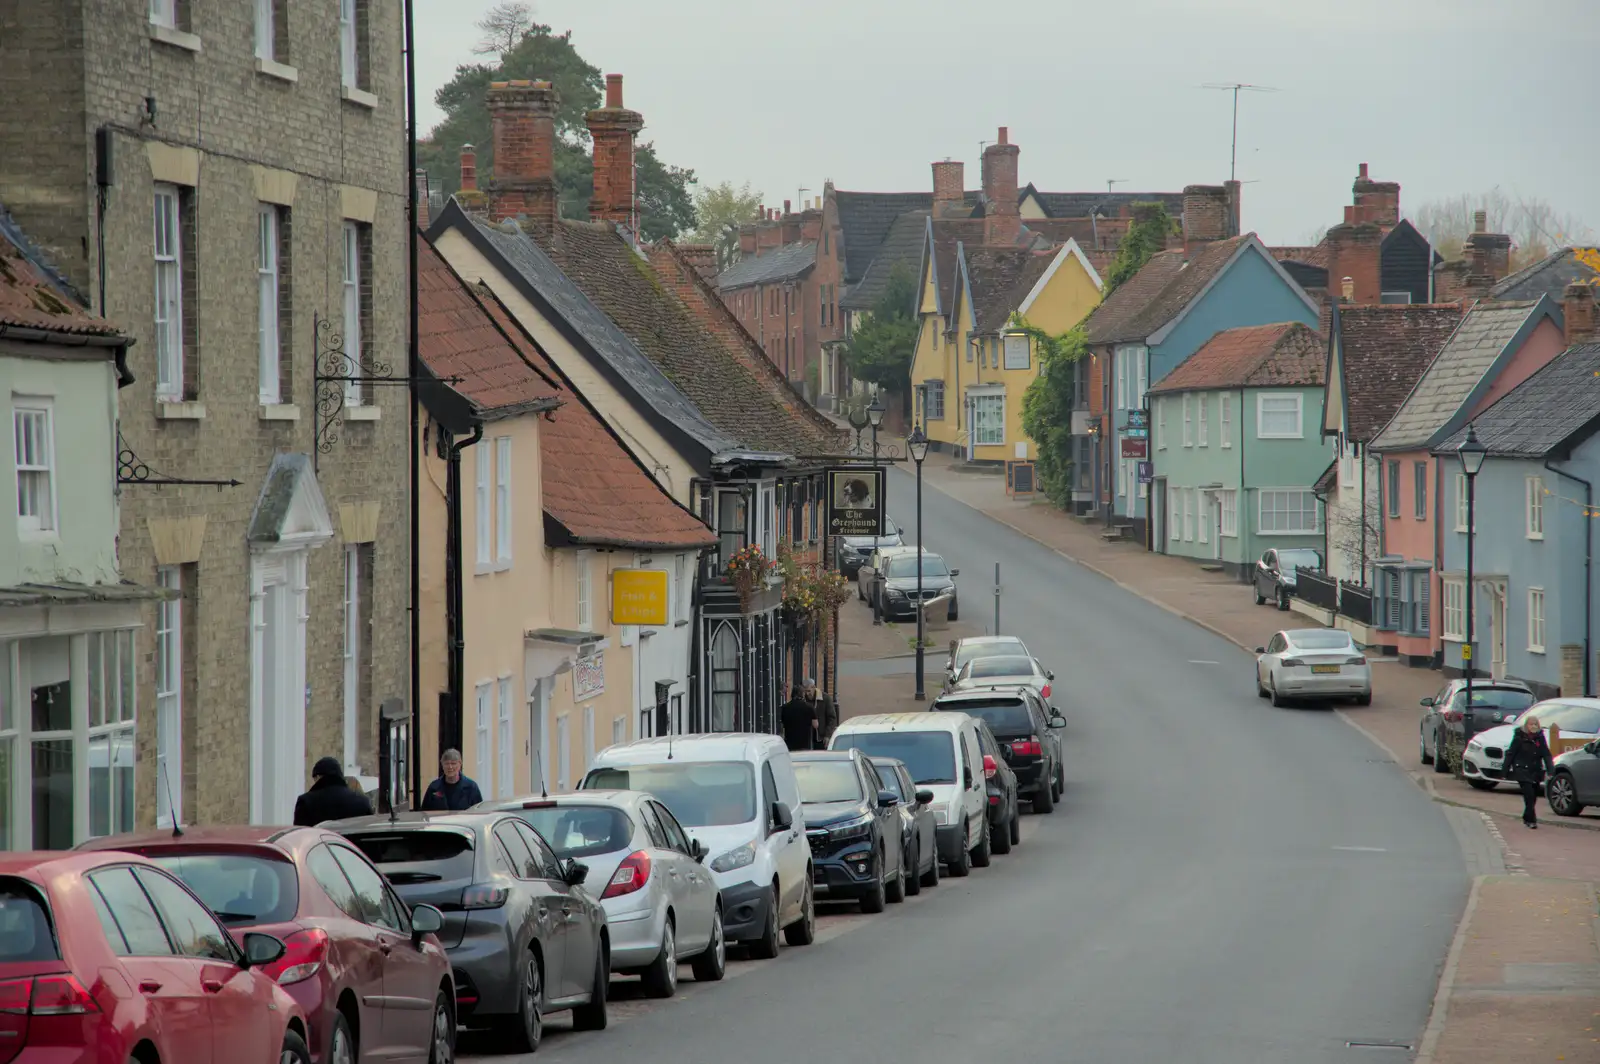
x,y
661,902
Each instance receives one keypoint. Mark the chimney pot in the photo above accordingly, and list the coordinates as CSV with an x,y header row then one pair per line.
x,y
1362,172
1005,135
613,90
1480,221
612,129
786,209
469,168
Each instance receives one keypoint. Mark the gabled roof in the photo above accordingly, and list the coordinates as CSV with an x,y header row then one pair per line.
x,y
1106,204
1547,277
902,247
1111,320
33,296
1489,335
780,264
1285,353
1545,416
999,279
944,237
866,218
1383,350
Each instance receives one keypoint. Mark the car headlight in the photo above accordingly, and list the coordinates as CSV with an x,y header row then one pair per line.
x,y
939,816
894,592
737,857
859,828
951,590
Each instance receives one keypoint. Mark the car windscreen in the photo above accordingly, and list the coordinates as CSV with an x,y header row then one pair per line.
x,y
998,666
1298,559
1320,640
828,781
930,756
243,889
1005,716
1568,718
434,856
580,830
24,924
700,794
905,566
1495,698
973,651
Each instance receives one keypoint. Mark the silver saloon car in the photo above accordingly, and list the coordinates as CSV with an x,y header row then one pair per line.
x,y
1314,664
661,902
1007,671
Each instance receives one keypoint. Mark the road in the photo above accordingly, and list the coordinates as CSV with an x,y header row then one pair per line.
x,y
1223,882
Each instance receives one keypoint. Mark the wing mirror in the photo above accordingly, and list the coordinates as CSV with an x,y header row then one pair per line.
x,y
782,818
924,797
955,572
425,920
697,850
1057,720
888,799
1426,701
574,873
261,949
1261,650
1050,676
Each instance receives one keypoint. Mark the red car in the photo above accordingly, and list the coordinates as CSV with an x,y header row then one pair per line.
x,y
367,970
105,958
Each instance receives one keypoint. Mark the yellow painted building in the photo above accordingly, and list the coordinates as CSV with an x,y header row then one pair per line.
x,y
971,368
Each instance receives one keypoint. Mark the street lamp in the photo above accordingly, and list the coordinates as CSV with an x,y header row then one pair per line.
x,y
917,444
875,413
1471,453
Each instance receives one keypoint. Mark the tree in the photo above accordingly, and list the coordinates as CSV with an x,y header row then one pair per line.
x,y
721,210
879,350
503,26
666,204
1047,405
1147,234
1535,227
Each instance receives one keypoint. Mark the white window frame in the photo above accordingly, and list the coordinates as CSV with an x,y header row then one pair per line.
x,y
619,730
1266,495
502,501
169,698
933,401
351,291
352,656
164,13
1229,502
1202,516
1161,423
266,31
563,750
1141,374
1461,502
1263,399
1203,437
1225,421
1453,609
1121,368
989,429
584,581
34,450
504,737
1188,515
483,755
1175,515
482,511
116,723
1419,490
1535,514
349,53
168,255
1188,421
1536,631
267,294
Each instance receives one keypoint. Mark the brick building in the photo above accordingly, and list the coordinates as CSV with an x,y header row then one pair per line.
x,y
221,178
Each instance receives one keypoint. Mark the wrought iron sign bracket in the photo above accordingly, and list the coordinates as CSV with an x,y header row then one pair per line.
x,y
333,373
131,469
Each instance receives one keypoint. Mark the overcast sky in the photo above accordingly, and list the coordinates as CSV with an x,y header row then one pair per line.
x,y
1444,96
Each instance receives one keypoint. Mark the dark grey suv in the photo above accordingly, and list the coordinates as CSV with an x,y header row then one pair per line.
x,y
523,936
1446,717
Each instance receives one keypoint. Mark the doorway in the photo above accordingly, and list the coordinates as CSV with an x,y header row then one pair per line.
x,y
278,685
1497,637
539,736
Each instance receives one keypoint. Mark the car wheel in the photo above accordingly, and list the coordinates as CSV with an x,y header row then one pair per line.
x,y
803,931
442,1042
1283,600
1277,699
1441,764
1261,600
1422,748
955,610
526,1028
896,892
660,980
1481,785
873,900
1060,782
294,1050
1016,830
341,1043
930,878
981,852
766,947
712,964
1044,800
1363,700
593,1016
912,876
962,865
1001,842
1563,795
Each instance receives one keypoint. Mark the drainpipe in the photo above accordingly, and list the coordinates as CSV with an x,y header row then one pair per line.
x,y
1361,523
1588,558
1436,579
1241,500
455,621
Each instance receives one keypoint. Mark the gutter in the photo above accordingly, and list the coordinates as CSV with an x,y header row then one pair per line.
x,y
62,339
450,730
1588,560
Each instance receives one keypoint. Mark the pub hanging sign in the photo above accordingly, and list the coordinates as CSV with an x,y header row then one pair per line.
x,y
855,501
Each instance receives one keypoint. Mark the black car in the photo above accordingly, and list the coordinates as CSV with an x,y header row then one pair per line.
x,y
853,825
898,584
1005,814
1029,734
854,550
1275,574
1446,719
919,831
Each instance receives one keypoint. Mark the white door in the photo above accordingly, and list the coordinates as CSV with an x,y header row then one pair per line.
x,y
1497,651
538,737
1216,528
278,686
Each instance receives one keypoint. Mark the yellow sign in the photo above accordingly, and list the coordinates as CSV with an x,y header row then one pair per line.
x,y
639,596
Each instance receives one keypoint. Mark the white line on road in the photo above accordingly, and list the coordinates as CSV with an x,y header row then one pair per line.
x,y
1205,662
1362,849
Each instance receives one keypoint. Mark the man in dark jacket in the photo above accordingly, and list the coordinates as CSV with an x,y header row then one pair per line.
x,y
452,791
330,797
799,719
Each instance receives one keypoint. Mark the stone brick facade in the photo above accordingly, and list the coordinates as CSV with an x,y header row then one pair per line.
x,y
193,107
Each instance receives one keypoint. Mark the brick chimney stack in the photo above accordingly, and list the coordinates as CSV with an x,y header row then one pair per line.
x,y
1354,252
1488,254
788,226
613,128
524,182
1234,190
949,188
1376,201
469,195
1002,216
1207,215
1577,307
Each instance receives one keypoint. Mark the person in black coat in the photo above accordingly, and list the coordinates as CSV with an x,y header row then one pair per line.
x,y
1527,760
330,797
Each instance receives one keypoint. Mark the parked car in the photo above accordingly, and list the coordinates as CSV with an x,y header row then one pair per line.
x,y
1000,784
942,752
524,937
898,586
1028,730
737,793
1575,782
855,550
107,958
917,838
1004,671
1313,663
1483,761
1275,574
853,826
871,569
367,971
980,646
661,901
1445,717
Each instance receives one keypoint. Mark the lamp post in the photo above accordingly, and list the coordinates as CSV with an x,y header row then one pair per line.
x,y
1471,453
917,444
875,412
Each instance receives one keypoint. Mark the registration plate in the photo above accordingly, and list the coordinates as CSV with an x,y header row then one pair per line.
x,y
1324,668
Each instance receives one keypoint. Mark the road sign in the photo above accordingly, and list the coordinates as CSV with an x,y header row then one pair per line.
x,y
1132,448
1138,434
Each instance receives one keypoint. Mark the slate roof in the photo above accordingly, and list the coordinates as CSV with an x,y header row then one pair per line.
x,y
1158,292
1465,362
1285,353
1086,231
867,217
593,488
35,296
902,247
1001,279
1385,349
1548,414
779,264
947,234
1314,255
1109,204
1547,277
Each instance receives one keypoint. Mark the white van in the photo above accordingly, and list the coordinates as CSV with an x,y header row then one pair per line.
x,y
736,794
941,750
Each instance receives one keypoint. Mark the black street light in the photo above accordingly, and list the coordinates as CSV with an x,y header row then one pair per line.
x,y
917,444
1471,453
875,414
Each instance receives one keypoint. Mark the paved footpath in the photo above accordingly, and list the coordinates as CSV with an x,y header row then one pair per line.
x,y
1523,980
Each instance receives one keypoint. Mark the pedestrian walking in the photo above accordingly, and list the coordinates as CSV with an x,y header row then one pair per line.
x,y
827,719
801,722
1527,760
452,790
330,798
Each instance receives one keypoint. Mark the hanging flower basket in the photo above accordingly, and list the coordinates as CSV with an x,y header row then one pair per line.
x,y
747,570
813,595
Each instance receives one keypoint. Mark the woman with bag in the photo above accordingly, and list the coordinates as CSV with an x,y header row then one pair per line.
x,y
1527,761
